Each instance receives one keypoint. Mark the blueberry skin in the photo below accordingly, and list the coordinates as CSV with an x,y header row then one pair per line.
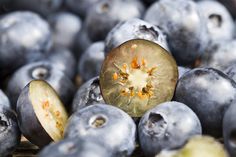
x,y
106,14
64,60
134,29
24,37
88,94
229,129
116,133
43,7
74,148
90,62
4,101
81,7
230,5
221,56
220,24
208,92
65,26
231,71
186,31
167,126
9,132
45,71
182,70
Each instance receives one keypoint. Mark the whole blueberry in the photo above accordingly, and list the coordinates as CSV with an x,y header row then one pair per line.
x,y
184,25
182,70
9,132
104,124
88,94
91,61
104,15
134,29
43,7
80,7
24,36
167,126
4,101
208,92
64,60
221,56
229,130
65,27
72,147
220,24
44,71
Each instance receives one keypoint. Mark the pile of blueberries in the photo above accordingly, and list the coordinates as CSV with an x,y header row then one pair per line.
x,y
187,99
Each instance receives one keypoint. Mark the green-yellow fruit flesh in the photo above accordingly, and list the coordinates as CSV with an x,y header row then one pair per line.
x,y
48,108
137,76
198,146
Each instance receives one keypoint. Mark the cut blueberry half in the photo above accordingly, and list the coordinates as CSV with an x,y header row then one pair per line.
x,y
41,114
137,76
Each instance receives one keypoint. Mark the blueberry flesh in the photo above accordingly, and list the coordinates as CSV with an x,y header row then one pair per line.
x,y
186,31
88,94
80,6
229,130
9,132
43,7
167,126
220,57
182,70
65,26
45,71
4,101
91,61
24,37
106,14
64,60
73,147
208,92
134,29
220,24
106,125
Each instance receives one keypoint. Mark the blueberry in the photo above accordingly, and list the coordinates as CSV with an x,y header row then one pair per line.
x,y
24,36
41,114
74,148
208,92
185,28
219,21
64,60
65,27
167,126
81,7
106,14
104,124
229,130
134,29
221,56
182,70
91,61
43,7
88,94
4,101
198,146
9,132
45,71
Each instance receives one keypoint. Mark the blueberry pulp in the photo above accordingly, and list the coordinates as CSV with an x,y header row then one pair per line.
x,y
106,14
186,31
167,126
45,71
88,94
134,29
208,92
91,61
101,123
